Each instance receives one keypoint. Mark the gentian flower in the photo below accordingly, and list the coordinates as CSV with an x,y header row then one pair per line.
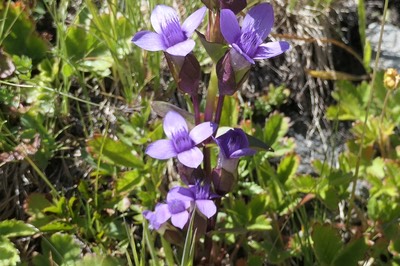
x,y
247,41
180,202
181,143
169,36
233,144
198,195
152,218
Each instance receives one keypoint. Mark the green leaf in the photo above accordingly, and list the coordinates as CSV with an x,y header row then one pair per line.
x,y
61,248
36,203
261,223
98,260
327,243
162,108
113,152
288,167
56,226
15,228
214,50
9,255
129,181
22,38
351,253
275,128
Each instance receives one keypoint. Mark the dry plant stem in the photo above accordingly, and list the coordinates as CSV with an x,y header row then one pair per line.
x,y
384,148
357,168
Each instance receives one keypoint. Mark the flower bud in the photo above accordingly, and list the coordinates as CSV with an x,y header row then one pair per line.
x,y
223,181
391,79
186,72
232,71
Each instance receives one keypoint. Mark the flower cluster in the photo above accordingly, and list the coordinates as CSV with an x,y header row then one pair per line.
x,y
233,48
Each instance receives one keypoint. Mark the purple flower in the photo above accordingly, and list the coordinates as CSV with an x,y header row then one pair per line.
x,y
233,144
154,217
181,143
169,36
180,202
247,41
199,196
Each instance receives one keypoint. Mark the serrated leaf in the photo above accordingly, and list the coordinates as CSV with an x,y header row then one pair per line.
x,y
9,255
15,228
351,253
113,152
327,243
275,128
288,167
61,248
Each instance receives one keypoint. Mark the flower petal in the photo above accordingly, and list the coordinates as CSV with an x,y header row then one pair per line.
x,y
271,49
180,193
239,58
149,41
193,21
162,213
180,219
191,158
230,28
161,149
202,132
260,20
174,122
162,16
206,207
181,48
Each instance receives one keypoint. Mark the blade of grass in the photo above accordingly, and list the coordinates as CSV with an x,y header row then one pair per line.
x,y
188,248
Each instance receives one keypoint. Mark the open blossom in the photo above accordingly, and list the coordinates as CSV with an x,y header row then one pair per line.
x,y
247,40
180,203
181,143
169,36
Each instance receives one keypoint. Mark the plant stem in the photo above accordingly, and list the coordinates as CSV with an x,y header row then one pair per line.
x,y
382,141
358,162
211,95
218,112
208,116
196,108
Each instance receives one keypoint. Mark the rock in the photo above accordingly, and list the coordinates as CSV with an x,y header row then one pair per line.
x,y
390,48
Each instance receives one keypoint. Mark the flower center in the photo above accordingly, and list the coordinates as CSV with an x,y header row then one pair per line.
x,y
176,206
202,192
172,33
182,141
249,42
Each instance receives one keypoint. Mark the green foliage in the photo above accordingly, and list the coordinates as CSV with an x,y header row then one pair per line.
x,y
18,35
9,255
275,97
